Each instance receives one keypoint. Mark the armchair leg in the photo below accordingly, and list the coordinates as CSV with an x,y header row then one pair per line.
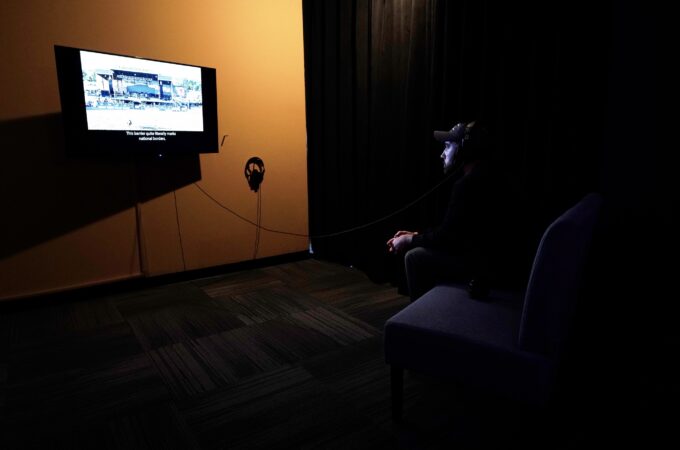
x,y
397,384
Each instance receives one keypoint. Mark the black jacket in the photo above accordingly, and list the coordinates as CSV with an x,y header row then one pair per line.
x,y
471,227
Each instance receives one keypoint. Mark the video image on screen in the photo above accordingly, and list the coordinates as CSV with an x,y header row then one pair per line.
x,y
123,93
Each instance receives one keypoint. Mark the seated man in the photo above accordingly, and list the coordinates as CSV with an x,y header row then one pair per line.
x,y
461,248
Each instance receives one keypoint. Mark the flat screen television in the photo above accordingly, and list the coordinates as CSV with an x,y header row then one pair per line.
x,y
125,105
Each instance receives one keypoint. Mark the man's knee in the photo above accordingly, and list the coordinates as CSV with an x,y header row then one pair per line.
x,y
435,264
415,255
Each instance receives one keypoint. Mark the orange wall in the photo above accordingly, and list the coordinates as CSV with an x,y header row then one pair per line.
x,y
74,223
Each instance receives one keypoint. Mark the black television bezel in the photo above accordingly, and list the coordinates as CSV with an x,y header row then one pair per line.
x,y
82,142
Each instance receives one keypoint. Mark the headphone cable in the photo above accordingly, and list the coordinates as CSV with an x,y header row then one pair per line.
x,y
334,234
179,230
259,222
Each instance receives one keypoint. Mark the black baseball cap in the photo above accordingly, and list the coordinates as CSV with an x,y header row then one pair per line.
x,y
456,134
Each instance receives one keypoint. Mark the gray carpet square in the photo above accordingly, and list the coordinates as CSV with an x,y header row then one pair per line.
x,y
265,304
83,395
180,323
285,408
44,355
56,321
335,324
146,301
238,283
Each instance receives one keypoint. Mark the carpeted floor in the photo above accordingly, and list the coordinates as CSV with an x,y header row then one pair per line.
x,y
287,356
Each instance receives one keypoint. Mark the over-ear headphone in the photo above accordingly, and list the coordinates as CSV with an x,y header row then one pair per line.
x,y
254,172
474,144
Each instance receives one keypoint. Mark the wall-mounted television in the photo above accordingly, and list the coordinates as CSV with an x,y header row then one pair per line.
x,y
127,105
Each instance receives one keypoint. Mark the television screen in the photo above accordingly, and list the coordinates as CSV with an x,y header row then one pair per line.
x,y
117,104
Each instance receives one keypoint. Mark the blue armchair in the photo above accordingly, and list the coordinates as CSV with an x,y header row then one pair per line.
x,y
509,343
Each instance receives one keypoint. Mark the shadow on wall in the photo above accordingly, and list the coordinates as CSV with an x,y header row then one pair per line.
x,y
46,194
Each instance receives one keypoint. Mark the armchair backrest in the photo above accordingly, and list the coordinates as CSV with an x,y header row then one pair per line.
x,y
556,277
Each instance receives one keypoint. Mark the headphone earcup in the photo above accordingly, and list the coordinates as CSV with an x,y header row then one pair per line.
x,y
473,143
465,147
256,175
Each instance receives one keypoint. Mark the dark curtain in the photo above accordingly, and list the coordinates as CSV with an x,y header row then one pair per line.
x,y
381,75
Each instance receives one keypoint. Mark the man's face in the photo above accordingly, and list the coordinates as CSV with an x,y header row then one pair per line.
x,y
448,155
